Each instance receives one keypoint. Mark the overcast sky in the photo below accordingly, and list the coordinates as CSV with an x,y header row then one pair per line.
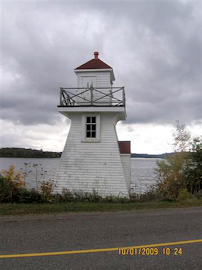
x,y
154,48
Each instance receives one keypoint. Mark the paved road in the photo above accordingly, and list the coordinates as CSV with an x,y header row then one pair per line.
x,y
71,232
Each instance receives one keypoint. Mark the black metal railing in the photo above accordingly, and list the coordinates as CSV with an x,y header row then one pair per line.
x,y
77,97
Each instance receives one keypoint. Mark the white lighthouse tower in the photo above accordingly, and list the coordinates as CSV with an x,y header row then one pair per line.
x,y
93,159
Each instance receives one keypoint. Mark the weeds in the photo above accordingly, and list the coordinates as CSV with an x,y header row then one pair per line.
x,y
12,190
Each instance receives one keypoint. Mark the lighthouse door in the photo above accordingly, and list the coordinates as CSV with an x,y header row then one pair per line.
x,y
86,83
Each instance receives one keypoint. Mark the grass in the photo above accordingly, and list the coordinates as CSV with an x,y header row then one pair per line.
x,y
56,208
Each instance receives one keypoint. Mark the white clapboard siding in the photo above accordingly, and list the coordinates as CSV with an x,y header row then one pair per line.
x,y
92,166
126,162
102,78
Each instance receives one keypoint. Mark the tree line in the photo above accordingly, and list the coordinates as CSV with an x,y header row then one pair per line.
x,y
27,153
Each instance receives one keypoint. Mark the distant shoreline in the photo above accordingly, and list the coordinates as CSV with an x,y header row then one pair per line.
x,y
14,152
150,155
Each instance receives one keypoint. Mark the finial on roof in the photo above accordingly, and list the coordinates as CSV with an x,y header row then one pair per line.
x,y
96,55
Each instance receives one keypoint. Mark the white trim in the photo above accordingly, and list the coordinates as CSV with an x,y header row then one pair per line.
x,y
91,109
93,70
90,140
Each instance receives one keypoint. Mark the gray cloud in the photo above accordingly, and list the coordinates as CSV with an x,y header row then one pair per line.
x,y
154,48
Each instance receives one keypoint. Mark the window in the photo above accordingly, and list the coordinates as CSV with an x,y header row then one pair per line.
x,y
90,128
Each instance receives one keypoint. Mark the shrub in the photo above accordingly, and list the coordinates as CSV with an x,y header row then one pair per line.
x,y
7,189
184,194
193,172
182,170
28,196
198,195
170,175
16,178
10,184
67,196
46,191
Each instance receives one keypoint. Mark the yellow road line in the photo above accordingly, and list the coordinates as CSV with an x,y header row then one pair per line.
x,y
96,250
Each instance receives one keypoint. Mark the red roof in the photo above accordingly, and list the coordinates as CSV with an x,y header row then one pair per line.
x,y
124,147
94,63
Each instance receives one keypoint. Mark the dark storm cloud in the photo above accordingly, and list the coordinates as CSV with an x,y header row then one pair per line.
x,y
154,48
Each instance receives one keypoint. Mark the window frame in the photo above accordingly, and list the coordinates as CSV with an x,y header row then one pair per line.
x,y
97,128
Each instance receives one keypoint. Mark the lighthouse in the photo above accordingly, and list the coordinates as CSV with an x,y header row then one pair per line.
x,y
93,160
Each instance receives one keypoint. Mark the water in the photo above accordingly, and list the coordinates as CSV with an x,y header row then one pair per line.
x,y
45,169
142,171
142,174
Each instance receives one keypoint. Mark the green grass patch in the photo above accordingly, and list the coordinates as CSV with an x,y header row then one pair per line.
x,y
56,208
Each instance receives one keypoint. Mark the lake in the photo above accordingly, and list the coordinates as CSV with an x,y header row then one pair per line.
x,y
142,170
